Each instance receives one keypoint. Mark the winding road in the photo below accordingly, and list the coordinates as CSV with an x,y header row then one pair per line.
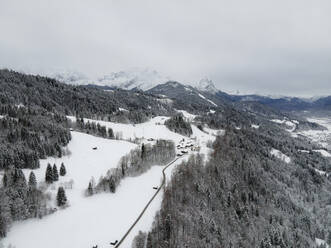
x,y
147,205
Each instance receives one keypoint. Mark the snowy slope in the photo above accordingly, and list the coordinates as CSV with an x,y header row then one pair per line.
x,y
102,218
154,128
278,154
81,164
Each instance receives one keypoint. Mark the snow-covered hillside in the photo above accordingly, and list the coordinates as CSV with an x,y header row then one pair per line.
x,y
102,218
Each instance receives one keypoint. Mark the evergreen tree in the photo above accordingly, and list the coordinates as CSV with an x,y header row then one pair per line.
x,y
112,185
328,239
32,180
111,133
5,180
49,174
63,171
55,173
3,227
61,197
142,151
90,189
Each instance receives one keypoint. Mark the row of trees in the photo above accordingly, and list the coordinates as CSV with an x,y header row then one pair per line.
x,y
135,163
52,174
93,128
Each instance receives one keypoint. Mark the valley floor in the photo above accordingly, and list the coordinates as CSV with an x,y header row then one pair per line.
x,y
105,217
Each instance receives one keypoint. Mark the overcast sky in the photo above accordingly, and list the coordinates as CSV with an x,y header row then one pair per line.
x,y
257,46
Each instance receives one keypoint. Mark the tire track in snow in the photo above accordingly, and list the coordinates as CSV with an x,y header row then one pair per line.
x,y
147,205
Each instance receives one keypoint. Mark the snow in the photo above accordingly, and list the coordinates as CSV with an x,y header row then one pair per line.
x,y
84,213
141,78
154,128
290,124
322,173
102,218
278,154
255,126
214,132
206,85
324,153
321,242
123,110
20,105
188,89
165,100
212,111
304,151
187,115
84,162
278,121
202,96
207,99
212,102
321,137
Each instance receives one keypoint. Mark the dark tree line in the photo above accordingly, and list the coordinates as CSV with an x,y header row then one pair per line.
x,y
177,124
27,135
89,102
135,163
94,128
20,199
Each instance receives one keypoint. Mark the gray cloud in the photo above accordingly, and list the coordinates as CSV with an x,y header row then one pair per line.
x,y
263,46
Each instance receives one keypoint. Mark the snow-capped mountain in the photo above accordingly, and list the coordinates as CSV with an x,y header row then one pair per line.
x,y
206,85
143,79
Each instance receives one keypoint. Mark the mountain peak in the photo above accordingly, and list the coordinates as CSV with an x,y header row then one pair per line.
x,y
207,85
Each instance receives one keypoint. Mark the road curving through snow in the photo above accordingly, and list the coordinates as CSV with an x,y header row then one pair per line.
x,y
149,203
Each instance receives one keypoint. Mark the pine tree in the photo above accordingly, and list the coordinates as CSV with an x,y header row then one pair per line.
x,y
328,239
111,133
90,189
61,197
5,180
55,173
142,151
32,180
112,186
49,174
3,227
63,171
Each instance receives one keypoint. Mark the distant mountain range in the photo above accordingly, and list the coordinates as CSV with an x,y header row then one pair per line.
x,y
151,81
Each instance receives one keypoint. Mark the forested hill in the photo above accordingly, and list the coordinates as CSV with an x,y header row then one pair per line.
x,y
51,95
245,197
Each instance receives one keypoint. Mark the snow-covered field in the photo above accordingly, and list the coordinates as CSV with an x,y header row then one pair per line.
x,y
321,137
290,124
102,218
278,154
